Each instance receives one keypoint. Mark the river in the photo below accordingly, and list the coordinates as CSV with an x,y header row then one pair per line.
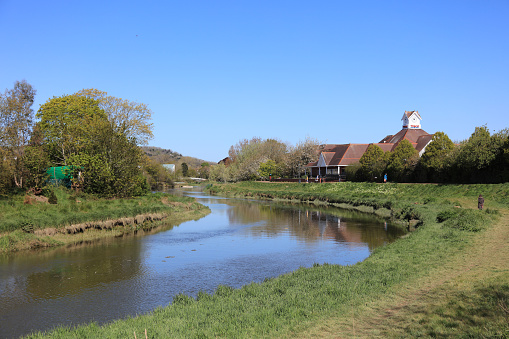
x,y
239,242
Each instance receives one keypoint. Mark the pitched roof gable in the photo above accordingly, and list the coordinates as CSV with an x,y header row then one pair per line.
x,y
340,155
408,114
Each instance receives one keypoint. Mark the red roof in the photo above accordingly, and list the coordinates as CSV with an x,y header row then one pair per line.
x,y
411,135
341,155
347,154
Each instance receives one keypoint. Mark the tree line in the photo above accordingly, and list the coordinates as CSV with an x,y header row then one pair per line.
x,y
97,138
259,159
94,135
482,158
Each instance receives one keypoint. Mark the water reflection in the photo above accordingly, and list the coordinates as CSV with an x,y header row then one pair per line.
x,y
308,223
239,242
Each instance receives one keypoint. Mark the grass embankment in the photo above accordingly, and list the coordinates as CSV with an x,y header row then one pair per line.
x,y
440,280
75,219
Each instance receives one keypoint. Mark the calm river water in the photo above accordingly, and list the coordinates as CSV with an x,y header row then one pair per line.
x,y
240,242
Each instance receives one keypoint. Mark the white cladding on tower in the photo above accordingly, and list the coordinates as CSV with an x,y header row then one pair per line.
x,y
411,120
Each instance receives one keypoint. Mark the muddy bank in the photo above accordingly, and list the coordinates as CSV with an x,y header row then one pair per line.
x,y
88,232
138,220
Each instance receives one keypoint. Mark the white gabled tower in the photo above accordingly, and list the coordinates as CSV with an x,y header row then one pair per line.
x,y
411,120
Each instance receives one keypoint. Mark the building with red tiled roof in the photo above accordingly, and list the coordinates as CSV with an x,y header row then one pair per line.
x,y
334,158
226,161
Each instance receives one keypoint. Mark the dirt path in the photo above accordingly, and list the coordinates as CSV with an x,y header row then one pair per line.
x,y
465,293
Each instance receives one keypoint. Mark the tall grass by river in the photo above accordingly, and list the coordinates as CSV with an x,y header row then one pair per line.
x,y
19,220
292,303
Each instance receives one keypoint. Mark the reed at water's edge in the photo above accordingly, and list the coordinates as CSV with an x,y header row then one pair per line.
x,y
76,218
416,286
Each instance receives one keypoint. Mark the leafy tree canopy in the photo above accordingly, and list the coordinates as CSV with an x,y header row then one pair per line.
x,y
372,162
479,150
185,169
16,124
129,118
436,152
110,164
66,124
269,168
402,160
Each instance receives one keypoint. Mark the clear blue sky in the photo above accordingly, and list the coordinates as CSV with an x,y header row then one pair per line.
x,y
216,72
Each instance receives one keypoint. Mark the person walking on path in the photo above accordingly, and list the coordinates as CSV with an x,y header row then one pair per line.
x,y
480,202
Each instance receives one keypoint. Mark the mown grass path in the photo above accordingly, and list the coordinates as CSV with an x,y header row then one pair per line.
x,y
466,297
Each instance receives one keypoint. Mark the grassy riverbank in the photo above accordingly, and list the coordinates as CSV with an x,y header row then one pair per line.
x,y
448,278
74,219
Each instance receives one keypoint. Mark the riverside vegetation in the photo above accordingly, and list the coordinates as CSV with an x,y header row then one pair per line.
x,y
28,222
448,278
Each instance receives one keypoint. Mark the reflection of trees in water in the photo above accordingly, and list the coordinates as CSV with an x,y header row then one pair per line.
x,y
70,271
82,266
52,273
87,268
244,213
312,224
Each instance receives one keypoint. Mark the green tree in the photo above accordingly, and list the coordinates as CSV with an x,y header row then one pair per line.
x,y
155,172
110,164
353,172
36,162
269,168
479,157
503,161
437,151
16,124
372,163
435,164
220,172
67,124
185,169
204,170
192,173
275,150
479,150
402,161
6,172
129,118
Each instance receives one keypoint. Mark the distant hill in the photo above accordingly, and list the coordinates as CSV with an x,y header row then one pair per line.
x,y
161,155
167,156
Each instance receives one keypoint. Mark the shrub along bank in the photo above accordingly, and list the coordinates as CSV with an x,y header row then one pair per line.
x,y
28,221
293,304
404,202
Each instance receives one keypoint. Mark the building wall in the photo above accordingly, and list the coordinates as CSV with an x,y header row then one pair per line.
x,y
413,123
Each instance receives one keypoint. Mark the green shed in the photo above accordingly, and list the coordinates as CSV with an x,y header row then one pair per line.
x,y
58,175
